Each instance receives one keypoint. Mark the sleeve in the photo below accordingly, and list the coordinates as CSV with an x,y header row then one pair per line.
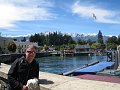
x,y
13,76
37,70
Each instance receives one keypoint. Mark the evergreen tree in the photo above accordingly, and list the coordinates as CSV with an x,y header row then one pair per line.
x,y
54,38
118,39
100,37
112,39
24,39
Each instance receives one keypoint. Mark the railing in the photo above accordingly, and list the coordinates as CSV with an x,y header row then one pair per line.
x,y
114,56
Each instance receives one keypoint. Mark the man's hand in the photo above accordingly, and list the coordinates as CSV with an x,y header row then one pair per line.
x,y
24,87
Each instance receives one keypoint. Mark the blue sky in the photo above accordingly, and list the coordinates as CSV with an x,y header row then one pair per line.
x,y
26,17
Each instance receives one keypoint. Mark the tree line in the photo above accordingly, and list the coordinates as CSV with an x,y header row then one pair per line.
x,y
58,39
65,41
55,38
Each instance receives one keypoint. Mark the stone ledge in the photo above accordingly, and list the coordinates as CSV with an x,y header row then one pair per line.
x,y
59,82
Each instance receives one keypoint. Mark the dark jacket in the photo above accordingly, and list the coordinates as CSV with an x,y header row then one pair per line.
x,y
20,72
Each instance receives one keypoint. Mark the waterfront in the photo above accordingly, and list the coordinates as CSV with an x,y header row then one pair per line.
x,y
60,65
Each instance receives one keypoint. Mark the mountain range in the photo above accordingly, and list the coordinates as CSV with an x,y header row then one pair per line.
x,y
75,36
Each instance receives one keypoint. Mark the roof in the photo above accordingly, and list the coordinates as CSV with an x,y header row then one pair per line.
x,y
82,46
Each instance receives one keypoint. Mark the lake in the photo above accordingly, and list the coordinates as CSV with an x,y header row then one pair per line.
x,y
58,65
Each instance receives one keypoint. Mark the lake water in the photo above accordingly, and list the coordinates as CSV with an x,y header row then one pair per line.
x,y
60,65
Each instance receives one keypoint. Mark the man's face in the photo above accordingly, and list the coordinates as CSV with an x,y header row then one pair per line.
x,y
30,54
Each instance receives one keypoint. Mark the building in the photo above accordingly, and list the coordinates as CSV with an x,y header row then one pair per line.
x,y
83,50
21,46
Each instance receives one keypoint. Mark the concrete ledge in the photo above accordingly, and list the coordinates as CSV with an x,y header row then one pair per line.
x,y
50,81
58,82
4,70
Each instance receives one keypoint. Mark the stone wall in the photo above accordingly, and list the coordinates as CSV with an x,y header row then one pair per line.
x,y
9,58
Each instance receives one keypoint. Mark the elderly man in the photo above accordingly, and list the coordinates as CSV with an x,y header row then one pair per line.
x,y
23,69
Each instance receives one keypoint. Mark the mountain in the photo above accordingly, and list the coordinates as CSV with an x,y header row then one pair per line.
x,y
83,36
21,38
92,37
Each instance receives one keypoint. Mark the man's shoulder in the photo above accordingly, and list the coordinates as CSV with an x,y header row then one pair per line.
x,y
18,60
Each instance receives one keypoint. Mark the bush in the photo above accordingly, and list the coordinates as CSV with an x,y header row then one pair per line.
x,y
12,46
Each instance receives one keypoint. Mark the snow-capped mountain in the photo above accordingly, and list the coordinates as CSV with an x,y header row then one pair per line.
x,y
92,37
75,36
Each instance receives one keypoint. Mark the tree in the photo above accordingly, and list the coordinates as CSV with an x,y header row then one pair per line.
x,y
19,49
46,48
54,38
96,45
118,39
111,46
72,46
90,42
12,46
112,42
24,39
112,39
81,42
15,39
100,37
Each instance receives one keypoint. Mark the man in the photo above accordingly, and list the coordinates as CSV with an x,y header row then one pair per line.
x,y
23,69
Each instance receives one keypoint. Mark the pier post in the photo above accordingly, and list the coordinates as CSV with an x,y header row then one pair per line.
x,y
118,54
116,59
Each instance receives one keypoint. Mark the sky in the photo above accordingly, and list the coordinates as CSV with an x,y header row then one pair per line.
x,y
26,17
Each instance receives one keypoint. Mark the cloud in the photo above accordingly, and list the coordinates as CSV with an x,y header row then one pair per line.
x,y
27,35
24,10
102,15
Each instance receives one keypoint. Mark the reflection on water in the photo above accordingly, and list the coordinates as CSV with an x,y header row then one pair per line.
x,y
59,65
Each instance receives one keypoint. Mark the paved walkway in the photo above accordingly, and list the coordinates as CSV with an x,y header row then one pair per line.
x,y
104,78
118,68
